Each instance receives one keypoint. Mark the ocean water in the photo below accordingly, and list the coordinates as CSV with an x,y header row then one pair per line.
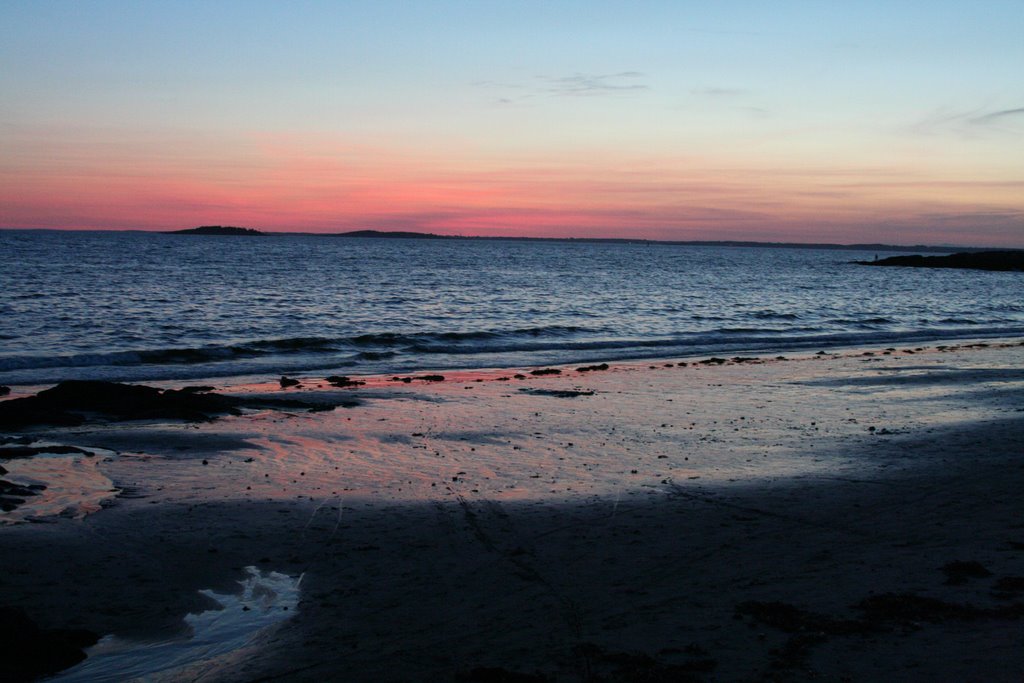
x,y
145,306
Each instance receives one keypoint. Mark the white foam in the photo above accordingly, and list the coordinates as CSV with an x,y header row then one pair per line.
x,y
266,599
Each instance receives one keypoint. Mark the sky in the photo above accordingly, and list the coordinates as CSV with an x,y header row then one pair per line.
x,y
896,122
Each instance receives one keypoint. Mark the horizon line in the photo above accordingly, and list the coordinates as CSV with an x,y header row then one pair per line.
x,y
410,234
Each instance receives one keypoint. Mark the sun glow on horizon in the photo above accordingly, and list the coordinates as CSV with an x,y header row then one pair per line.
x,y
705,138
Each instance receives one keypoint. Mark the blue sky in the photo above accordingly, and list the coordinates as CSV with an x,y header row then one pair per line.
x,y
584,118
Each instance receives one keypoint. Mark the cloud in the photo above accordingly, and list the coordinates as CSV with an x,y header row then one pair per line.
x,y
593,84
996,116
970,123
572,85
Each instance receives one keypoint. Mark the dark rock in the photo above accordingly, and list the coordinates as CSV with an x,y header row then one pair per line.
x,y
4,390
546,371
286,382
8,488
74,401
425,378
593,368
557,393
712,361
196,389
343,381
28,652
980,260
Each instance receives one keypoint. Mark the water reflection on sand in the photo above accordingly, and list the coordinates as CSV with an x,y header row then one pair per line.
x,y
267,598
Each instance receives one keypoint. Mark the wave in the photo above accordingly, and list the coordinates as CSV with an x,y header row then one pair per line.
x,y
395,339
405,352
959,321
722,338
377,346
863,323
773,315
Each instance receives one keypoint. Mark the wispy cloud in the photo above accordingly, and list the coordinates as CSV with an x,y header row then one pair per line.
x,y
970,123
573,85
996,117
593,84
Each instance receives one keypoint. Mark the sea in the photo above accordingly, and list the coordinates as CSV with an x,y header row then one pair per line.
x,y
142,306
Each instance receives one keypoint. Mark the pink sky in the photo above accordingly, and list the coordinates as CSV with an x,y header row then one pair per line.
x,y
297,185
676,122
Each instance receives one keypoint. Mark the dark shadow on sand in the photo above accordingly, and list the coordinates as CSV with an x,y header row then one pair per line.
x,y
651,583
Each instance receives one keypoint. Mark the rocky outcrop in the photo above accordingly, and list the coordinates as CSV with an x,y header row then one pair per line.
x,y
980,260
219,230
76,402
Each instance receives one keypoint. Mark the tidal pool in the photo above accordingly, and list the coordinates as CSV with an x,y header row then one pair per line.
x,y
266,599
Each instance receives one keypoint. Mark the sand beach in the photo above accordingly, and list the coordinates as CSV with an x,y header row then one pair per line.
x,y
853,515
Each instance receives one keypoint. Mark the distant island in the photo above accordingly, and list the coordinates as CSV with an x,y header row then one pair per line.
x,y
409,235
379,234
979,260
392,234
218,230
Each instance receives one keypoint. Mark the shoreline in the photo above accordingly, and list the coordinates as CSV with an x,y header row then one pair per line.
x,y
174,373
698,521
246,381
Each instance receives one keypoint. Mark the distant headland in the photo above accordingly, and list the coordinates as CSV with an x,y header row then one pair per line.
x,y
218,230
981,260
409,235
393,234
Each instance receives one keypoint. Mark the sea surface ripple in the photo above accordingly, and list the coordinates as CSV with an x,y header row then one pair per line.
x,y
134,306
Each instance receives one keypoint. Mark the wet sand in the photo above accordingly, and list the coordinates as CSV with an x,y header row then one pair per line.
x,y
715,522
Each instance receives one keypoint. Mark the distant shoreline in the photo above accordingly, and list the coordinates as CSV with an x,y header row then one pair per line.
x,y
362,234
375,234
1002,261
